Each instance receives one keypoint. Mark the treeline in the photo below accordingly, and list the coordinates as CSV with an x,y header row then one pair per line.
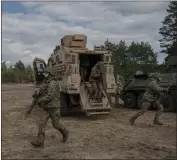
x,y
168,31
19,73
128,59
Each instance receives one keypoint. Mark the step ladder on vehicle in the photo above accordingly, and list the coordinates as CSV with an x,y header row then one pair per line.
x,y
92,107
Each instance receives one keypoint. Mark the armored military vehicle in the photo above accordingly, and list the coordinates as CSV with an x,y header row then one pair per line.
x,y
77,61
133,90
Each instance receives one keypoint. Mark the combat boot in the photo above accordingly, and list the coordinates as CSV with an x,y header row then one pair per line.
x,y
39,141
157,121
132,120
64,132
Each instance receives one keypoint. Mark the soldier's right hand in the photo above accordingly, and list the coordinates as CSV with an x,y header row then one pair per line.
x,y
166,90
38,103
34,94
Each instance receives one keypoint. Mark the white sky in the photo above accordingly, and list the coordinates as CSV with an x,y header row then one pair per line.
x,y
39,30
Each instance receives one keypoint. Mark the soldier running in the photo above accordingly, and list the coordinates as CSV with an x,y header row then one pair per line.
x,y
96,80
149,98
49,102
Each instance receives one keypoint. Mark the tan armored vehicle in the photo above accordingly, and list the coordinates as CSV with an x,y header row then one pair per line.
x,y
73,61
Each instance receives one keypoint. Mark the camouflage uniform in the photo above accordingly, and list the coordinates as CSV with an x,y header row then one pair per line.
x,y
150,98
49,102
96,80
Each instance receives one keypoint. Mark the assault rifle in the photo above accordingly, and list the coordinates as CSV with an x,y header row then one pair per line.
x,y
34,102
163,94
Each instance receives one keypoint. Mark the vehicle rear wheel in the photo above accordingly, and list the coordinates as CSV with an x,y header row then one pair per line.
x,y
168,104
130,100
64,104
139,100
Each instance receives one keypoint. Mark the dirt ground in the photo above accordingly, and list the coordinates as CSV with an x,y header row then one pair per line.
x,y
103,137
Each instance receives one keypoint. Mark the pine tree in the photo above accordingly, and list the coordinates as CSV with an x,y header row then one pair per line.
x,y
169,30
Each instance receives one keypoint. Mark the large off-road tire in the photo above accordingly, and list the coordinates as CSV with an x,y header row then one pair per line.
x,y
64,104
169,104
110,99
139,100
130,100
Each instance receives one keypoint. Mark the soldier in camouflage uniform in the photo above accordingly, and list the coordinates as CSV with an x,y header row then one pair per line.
x,y
96,80
49,102
150,98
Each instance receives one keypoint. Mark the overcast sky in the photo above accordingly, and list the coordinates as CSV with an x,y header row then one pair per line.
x,y
31,29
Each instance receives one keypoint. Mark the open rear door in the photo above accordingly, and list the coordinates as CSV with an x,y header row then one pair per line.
x,y
91,107
38,65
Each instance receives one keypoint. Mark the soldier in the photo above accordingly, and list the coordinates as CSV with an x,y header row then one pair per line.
x,y
96,80
149,98
84,68
49,102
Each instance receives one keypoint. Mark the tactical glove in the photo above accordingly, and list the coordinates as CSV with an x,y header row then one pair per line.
x,y
34,94
166,90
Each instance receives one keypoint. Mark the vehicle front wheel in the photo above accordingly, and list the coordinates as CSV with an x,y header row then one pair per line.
x,y
130,100
139,100
64,104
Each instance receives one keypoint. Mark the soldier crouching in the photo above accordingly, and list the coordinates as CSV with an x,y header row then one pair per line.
x,y
49,102
149,98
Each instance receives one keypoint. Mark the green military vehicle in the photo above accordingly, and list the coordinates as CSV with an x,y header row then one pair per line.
x,y
134,89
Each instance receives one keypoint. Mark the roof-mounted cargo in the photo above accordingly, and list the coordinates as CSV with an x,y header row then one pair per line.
x,y
74,41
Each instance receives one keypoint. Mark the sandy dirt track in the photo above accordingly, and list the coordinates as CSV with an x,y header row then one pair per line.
x,y
103,137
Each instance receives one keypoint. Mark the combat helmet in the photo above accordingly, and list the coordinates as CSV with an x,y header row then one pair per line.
x,y
49,70
138,72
